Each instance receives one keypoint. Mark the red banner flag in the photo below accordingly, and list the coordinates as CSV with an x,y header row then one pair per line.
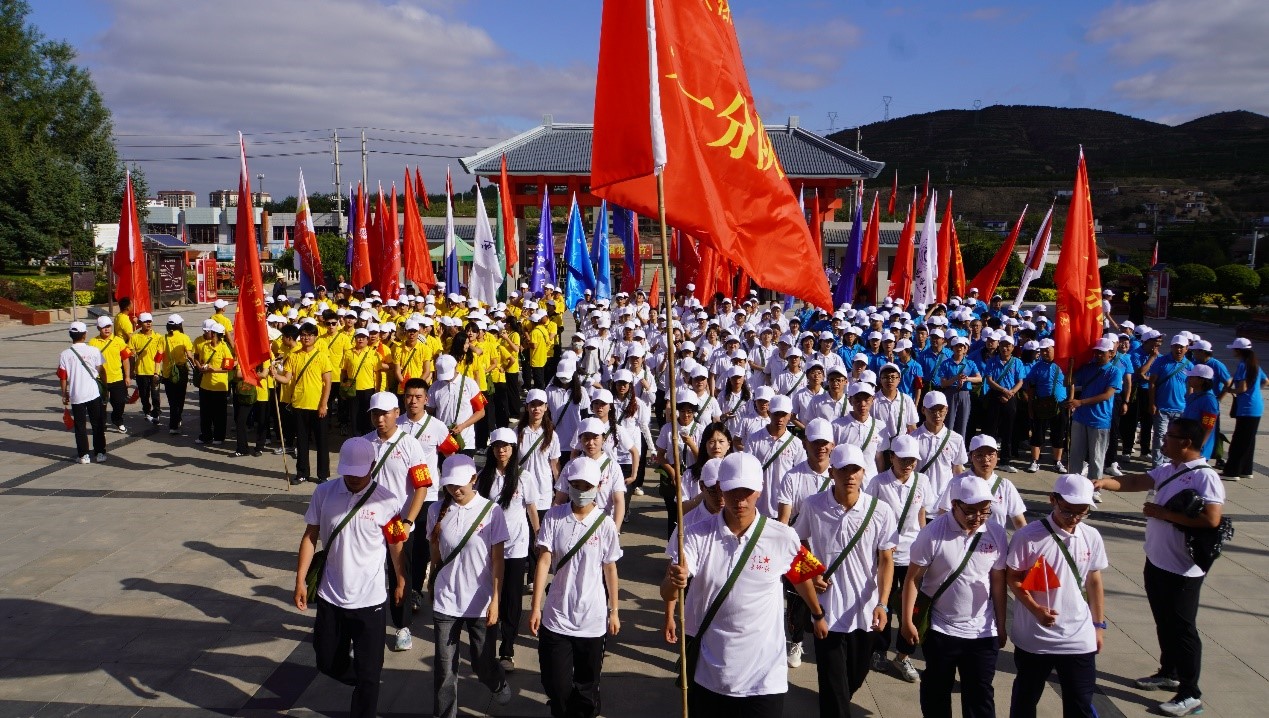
x,y
361,274
379,244
958,287
251,335
945,252
420,189
510,238
988,278
723,181
129,267
306,251
392,251
894,192
1154,258
687,264
901,276
925,195
1079,286
817,227
1040,577
868,263
654,296
418,262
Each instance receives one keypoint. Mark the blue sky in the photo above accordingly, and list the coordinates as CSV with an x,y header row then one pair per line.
x,y
179,74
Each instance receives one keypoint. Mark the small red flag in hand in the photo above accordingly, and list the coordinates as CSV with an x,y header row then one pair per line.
x,y
395,531
67,420
136,396
1040,577
805,567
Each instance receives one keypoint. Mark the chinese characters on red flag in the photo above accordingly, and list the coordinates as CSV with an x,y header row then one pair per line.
x,y
1079,286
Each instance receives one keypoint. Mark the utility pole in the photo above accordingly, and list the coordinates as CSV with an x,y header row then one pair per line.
x,y
259,187
365,181
859,137
339,187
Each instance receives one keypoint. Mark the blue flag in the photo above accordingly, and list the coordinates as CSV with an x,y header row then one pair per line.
x,y
623,226
852,261
544,258
577,261
599,255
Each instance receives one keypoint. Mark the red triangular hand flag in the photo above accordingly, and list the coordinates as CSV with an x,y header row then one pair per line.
x,y
1040,577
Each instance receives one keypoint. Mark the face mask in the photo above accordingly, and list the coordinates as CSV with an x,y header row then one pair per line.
x,y
582,499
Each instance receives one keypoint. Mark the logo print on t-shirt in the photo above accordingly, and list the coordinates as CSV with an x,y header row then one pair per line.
x,y
760,563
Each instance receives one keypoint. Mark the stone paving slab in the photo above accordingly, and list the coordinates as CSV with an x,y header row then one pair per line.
x,y
158,584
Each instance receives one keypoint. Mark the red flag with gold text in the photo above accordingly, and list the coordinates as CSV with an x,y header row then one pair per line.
x,y
1079,285
251,335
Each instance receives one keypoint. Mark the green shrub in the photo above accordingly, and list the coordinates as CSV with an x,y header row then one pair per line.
x,y
1035,294
1193,280
1238,283
1112,273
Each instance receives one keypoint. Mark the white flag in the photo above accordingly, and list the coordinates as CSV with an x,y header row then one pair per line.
x,y
927,258
1036,255
485,274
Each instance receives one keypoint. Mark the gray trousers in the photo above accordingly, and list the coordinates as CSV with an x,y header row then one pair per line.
x,y
1088,446
483,654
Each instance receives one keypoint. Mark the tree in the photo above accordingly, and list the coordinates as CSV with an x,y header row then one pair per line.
x,y
1193,280
1113,273
60,168
1238,283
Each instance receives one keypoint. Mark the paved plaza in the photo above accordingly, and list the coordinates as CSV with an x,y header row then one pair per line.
x,y
159,584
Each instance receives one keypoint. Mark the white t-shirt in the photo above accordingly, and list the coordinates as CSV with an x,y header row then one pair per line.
x,y
699,513
897,414
1165,542
430,433
577,604
354,575
747,421
867,435
953,454
965,609
453,402
1006,502
610,482
535,465
686,456
405,470
895,493
81,381
826,407
827,527
1073,633
803,401
801,482
742,653
465,586
778,457
516,514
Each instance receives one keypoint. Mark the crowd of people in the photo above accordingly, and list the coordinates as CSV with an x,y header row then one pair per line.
x,y
840,472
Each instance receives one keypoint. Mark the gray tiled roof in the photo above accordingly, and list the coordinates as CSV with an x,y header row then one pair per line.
x,y
564,149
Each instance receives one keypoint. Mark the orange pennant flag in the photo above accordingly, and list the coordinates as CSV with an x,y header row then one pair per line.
x,y
805,567
1040,577
654,295
672,96
361,274
418,263
901,276
511,242
946,227
1079,285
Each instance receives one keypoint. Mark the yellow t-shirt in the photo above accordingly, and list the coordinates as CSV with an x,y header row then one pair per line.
x,y
215,356
123,326
383,354
177,348
112,349
478,370
510,356
223,321
307,369
335,345
145,347
412,361
360,366
540,341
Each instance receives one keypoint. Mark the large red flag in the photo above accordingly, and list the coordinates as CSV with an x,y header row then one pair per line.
x,y
958,265
418,262
378,231
706,273
392,251
420,189
306,251
1079,286
632,270
687,264
131,278
510,240
868,265
817,227
945,252
251,335
925,195
988,278
894,192
723,181
361,272
901,276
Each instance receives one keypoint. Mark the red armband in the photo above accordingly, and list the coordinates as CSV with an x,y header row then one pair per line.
x,y
61,373
125,353
420,476
395,531
449,446
805,567
479,402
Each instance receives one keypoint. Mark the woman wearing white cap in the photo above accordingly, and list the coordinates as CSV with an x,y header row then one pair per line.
x,y
1247,381
118,369
580,546
215,362
942,450
457,401
178,351
1007,508
1099,380
468,534
539,447
634,417
503,482
565,398
612,485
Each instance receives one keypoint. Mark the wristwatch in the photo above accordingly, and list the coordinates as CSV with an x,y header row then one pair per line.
x,y
1101,625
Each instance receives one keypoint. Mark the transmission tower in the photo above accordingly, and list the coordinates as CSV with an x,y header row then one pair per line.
x,y
832,121
886,99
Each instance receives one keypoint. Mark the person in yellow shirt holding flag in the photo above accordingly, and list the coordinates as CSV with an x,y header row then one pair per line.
x,y
147,353
118,369
308,371
288,342
361,368
215,364
175,356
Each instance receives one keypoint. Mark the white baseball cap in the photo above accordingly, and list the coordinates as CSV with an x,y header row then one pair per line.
x,y
220,304
459,470
583,468
1201,371
383,401
970,489
356,457
1074,489
740,470
780,404
709,472
860,387
535,395
1240,343
145,317
104,321
763,393
982,440
78,328
819,429
602,396
592,426
934,398
446,367
1180,340
904,446
504,435
1105,344
846,455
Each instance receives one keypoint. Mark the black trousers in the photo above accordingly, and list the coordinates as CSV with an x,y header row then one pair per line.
x,y
242,416
1145,420
703,702
1077,675
419,553
999,423
361,408
213,409
1114,443
148,388
175,402
511,604
310,430
882,643
1174,601
537,377
974,659
797,615
90,412
1242,448
402,616
841,664
117,392
1054,428
362,628
571,668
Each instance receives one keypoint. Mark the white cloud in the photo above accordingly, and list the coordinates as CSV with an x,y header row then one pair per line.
x,y
302,64
1206,55
797,59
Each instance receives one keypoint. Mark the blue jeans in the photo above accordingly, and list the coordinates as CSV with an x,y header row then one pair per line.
x,y
1160,422
482,643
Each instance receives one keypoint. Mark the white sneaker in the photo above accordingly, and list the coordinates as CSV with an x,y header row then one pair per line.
x,y
121,429
905,670
795,655
1157,682
508,664
1114,469
1006,468
503,695
85,459
1060,467
1033,467
1181,706
1097,497
404,641
101,458
638,491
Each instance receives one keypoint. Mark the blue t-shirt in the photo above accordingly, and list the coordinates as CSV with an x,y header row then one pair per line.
x,y
930,359
847,353
1047,379
1124,362
1006,374
950,368
1250,402
1222,375
1168,376
1196,406
1094,380
909,372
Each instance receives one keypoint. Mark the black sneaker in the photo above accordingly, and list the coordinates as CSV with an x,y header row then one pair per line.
x,y
239,455
297,480
257,452
320,480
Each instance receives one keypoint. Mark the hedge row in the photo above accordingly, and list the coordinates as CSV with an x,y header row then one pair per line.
x,y
49,292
